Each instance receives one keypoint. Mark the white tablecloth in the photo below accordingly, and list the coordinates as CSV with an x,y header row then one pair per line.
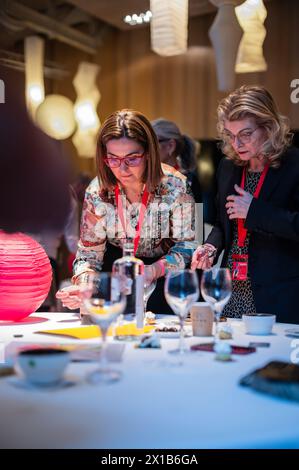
x,y
198,405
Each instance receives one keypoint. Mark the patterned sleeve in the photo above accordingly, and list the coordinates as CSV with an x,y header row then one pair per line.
x,y
182,230
92,243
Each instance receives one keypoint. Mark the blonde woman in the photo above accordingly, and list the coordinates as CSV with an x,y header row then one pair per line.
x,y
258,207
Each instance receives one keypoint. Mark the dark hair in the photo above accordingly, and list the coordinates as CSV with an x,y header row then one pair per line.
x,y
133,125
185,147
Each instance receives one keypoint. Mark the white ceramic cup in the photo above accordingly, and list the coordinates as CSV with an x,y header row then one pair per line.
x,y
259,323
43,366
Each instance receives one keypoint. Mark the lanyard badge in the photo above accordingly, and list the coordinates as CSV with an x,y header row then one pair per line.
x,y
240,262
119,206
240,267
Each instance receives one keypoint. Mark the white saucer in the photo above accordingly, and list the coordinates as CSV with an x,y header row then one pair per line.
x,y
22,383
168,334
294,332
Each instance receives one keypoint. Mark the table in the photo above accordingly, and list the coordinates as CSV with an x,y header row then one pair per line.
x,y
198,405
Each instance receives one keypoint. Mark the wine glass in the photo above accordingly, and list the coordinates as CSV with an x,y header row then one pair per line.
x,y
104,302
216,289
149,287
181,291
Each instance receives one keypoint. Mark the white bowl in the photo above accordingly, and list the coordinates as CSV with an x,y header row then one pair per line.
x,y
259,323
44,366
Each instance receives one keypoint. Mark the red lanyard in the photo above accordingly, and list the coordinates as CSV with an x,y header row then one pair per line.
x,y
242,231
120,211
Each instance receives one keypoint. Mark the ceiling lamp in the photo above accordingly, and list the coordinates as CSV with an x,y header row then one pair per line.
x,y
135,19
85,109
169,26
225,34
55,116
251,15
34,73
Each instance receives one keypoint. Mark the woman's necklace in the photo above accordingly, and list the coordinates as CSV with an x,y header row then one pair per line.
x,y
134,196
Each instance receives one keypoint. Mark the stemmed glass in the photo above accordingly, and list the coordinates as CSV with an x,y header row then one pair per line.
x,y
181,291
104,302
216,289
149,287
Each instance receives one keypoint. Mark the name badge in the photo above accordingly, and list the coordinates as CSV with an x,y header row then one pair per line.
x,y
240,267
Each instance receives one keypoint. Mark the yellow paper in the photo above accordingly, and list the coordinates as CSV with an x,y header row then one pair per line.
x,y
92,331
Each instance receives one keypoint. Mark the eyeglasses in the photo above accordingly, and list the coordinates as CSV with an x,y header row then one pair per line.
x,y
244,137
115,162
163,140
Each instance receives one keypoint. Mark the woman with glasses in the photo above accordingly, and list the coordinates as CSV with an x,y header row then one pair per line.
x,y
131,185
179,151
258,207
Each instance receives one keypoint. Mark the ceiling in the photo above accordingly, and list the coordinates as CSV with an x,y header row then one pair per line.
x,y
113,11
79,23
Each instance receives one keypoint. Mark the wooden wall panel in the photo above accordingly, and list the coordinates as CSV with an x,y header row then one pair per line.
x,y
281,49
184,88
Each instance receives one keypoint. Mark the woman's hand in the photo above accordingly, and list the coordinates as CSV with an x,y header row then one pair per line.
x,y
154,271
70,297
203,257
237,206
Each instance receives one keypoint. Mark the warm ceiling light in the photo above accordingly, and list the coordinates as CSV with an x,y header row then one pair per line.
x,y
35,94
55,116
85,109
251,15
169,26
34,73
85,115
225,34
138,19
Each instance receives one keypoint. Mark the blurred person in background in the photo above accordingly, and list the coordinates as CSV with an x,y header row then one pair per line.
x,y
34,191
79,186
178,150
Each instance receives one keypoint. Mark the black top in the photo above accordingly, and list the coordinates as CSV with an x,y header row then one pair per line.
x,y
273,222
242,301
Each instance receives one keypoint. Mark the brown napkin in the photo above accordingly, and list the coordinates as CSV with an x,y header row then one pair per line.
x,y
275,378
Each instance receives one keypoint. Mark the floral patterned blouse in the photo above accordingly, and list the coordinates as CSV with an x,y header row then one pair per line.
x,y
167,230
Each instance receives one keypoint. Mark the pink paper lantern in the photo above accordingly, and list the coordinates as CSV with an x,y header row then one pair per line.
x,y
25,276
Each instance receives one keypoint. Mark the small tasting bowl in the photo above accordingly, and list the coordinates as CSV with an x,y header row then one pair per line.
x,y
259,323
43,366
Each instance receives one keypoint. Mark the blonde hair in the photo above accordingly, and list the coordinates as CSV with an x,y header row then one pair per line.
x,y
255,102
132,125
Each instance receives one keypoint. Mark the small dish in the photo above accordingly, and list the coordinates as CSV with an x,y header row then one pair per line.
x,y
42,366
259,323
293,332
167,330
168,334
172,332
21,382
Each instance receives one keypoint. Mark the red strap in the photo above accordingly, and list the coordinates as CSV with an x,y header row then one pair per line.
x,y
142,210
242,231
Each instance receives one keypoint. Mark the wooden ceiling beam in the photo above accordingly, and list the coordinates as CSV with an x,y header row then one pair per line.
x,y
52,28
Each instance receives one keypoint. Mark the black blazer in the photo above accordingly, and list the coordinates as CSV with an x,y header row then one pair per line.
x,y
273,220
